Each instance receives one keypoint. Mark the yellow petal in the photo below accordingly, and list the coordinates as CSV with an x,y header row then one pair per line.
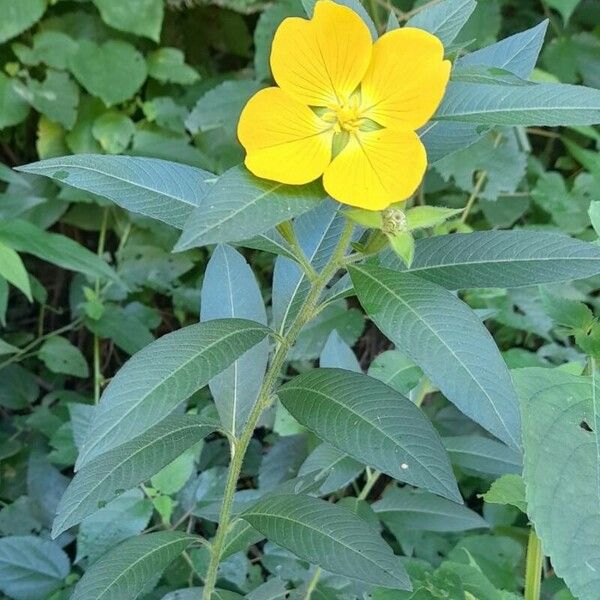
x,y
406,79
285,141
376,169
321,61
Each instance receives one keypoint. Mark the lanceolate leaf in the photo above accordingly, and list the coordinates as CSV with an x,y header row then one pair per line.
x,y
156,188
329,536
240,206
230,289
483,455
132,463
372,423
415,510
561,437
447,340
503,259
444,19
55,248
127,570
162,375
547,104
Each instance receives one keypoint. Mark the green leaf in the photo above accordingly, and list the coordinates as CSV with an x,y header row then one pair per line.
x,y
482,455
561,437
403,245
447,340
19,16
171,478
60,356
444,19
55,248
504,259
221,106
421,217
142,17
240,206
105,477
114,131
52,48
373,424
13,109
31,568
56,97
155,188
167,65
126,516
395,369
509,489
113,71
229,289
13,270
329,536
336,353
406,509
18,387
566,8
545,104
163,375
127,570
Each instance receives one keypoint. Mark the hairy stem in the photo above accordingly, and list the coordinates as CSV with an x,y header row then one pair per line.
x,y
239,446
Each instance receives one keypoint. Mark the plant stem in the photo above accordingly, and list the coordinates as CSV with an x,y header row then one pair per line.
x,y
96,360
239,446
533,569
372,477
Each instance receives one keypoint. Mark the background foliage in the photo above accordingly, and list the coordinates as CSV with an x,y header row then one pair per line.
x,y
85,284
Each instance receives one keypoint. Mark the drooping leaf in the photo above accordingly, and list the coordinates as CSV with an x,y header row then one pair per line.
x,y
103,478
561,437
13,270
240,206
31,568
329,536
162,375
155,188
372,423
447,340
444,19
421,511
500,259
127,570
229,289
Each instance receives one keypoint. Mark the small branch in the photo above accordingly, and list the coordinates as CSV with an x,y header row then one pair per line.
x,y
533,568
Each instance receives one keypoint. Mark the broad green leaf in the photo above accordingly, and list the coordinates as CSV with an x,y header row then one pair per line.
x,y
447,340
162,376
546,104
114,131
113,71
19,16
372,423
56,97
52,48
561,437
167,65
336,353
103,478
395,369
329,536
444,19
142,17
18,387
126,516
508,489
503,259
60,356
6,348
565,7
229,289
221,106
240,206
13,270
155,188
483,455
31,568
127,570
240,536
13,108
406,509
55,248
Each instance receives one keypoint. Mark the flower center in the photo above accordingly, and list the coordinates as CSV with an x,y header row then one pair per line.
x,y
345,116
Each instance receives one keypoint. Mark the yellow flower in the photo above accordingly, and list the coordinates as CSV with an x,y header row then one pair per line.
x,y
346,108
